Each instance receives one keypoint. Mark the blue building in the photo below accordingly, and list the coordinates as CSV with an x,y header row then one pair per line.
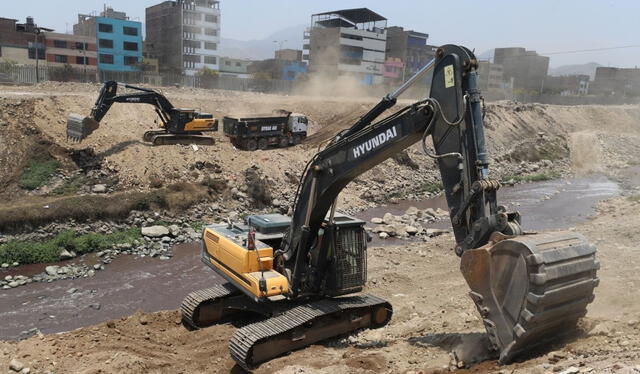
x,y
119,44
118,39
291,69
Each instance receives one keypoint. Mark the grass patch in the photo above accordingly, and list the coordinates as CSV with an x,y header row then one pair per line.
x,y
70,186
634,198
540,177
48,251
197,226
431,187
37,173
97,207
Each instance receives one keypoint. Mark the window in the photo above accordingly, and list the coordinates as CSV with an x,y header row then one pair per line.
x,y
106,59
210,46
210,32
81,46
60,58
82,60
130,60
210,60
227,63
60,43
105,43
130,46
130,31
237,64
32,51
105,27
210,18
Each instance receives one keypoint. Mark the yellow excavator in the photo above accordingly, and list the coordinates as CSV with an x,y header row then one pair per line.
x,y
302,276
179,125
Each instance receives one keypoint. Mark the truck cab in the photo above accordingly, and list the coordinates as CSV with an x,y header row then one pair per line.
x,y
297,124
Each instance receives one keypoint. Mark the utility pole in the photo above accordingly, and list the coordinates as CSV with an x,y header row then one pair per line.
x,y
36,32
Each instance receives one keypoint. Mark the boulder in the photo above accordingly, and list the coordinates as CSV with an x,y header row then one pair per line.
x,y
174,230
411,230
436,232
388,218
412,211
52,270
155,231
376,220
99,188
383,235
67,255
16,365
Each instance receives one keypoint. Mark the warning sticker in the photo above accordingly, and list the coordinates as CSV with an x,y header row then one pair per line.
x,y
448,76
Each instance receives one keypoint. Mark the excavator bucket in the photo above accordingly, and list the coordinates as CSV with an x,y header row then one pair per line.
x,y
79,127
531,288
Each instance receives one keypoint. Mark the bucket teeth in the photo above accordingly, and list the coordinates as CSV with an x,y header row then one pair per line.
x,y
79,127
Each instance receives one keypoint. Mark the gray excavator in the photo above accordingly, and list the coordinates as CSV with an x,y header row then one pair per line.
x,y
301,276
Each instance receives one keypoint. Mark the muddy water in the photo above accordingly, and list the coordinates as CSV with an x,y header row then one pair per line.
x,y
556,204
129,284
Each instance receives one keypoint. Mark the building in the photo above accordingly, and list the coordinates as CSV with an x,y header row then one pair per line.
x,y
567,85
20,43
76,51
527,68
288,54
349,42
184,35
118,39
616,81
234,67
411,48
393,71
490,76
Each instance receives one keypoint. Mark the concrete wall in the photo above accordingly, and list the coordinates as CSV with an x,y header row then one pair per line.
x,y
19,55
527,68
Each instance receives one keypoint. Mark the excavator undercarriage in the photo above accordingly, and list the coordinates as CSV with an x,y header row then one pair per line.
x,y
294,281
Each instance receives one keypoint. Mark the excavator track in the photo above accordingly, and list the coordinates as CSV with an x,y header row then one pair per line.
x,y
538,287
205,307
306,324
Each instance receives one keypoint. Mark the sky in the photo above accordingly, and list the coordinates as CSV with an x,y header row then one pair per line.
x,y
546,26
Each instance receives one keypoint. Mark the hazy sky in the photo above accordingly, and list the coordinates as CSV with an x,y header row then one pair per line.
x,y
542,25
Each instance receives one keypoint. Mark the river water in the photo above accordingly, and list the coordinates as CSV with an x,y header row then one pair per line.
x,y
130,283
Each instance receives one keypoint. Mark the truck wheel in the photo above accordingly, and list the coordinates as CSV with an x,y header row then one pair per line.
x,y
284,141
252,145
296,139
262,144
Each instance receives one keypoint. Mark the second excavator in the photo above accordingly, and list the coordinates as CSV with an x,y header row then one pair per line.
x,y
179,125
301,276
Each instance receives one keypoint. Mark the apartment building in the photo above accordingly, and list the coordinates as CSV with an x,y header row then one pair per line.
x,y
184,35
613,81
411,48
21,43
527,69
75,50
348,42
118,39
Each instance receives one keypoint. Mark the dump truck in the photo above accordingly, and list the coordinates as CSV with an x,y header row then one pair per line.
x,y
281,128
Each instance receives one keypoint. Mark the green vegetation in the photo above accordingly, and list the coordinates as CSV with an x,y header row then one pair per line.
x,y
48,251
634,198
431,187
71,186
37,173
532,177
197,226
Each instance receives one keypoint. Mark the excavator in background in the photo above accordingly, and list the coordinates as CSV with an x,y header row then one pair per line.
x,y
302,275
179,126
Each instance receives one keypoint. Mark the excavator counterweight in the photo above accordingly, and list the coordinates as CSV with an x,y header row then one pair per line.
x,y
299,274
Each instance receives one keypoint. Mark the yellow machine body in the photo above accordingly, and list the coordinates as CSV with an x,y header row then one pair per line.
x,y
200,124
225,251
